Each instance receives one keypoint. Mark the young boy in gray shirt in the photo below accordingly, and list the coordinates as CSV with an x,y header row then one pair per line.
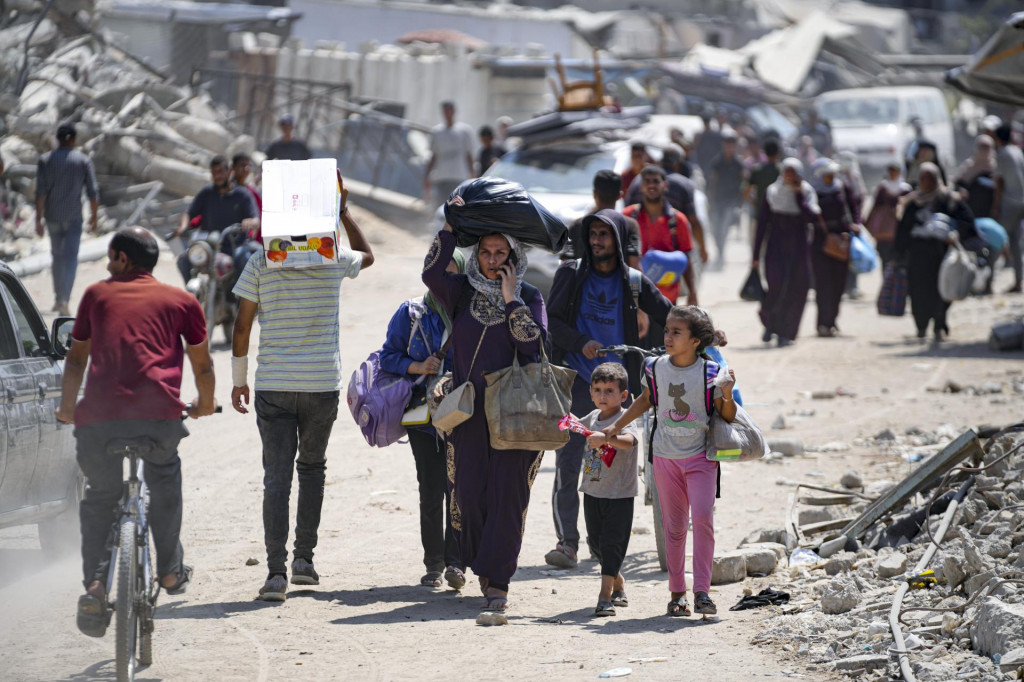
x,y
609,489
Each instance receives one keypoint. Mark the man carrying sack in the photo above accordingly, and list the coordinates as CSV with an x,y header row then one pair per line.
x,y
298,383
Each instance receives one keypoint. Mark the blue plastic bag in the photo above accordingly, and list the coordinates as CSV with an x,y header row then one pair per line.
x,y
664,268
862,257
993,234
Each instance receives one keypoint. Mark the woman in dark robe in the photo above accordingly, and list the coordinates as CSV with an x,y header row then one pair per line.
x,y
494,314
882,220
830,274
789,206
931,216
975,178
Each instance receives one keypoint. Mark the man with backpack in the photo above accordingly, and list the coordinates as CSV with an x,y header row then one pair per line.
x,y
663,228
298,382
594,302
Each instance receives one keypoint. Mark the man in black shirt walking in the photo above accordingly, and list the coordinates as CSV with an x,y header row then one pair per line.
x,y
288,147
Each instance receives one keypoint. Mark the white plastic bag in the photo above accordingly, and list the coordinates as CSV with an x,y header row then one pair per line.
x,y
957,274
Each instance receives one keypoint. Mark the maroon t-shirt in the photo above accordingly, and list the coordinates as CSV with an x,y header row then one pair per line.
x,y
136,325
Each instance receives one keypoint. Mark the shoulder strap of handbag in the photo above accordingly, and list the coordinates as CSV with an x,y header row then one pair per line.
x,y
673,222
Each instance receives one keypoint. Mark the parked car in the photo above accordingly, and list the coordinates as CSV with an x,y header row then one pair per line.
x,y
875,123
40,481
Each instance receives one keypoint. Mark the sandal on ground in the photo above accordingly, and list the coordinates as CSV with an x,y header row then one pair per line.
x,y
431,579
604,608
561,557
703,605
678,608
184,578
619,598
495,604
455,578
93,616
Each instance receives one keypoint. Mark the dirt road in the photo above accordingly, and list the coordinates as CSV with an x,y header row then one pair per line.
x,y
369,620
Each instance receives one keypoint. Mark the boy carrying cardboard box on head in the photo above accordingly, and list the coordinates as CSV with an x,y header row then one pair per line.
x,y
300,213
295,289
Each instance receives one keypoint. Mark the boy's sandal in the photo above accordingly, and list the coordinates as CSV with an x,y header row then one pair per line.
x,y
619,598
495,604
184,578
455,578
93,617
431,579
678,608
604,608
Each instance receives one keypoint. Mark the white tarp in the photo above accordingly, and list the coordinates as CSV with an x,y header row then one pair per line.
x,y
996,71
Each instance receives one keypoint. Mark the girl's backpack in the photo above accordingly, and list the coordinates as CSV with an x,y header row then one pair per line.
x,y
377,400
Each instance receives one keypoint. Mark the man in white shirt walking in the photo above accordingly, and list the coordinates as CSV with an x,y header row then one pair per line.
x,y
451,159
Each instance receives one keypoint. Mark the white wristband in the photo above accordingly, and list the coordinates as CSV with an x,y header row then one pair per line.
x,y
240,370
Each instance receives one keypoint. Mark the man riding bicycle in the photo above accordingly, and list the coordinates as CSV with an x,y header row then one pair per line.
x,y
129,332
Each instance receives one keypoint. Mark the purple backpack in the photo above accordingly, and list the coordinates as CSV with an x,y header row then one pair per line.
x,y
377,400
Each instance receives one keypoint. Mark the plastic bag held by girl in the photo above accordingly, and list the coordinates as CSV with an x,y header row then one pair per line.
x,y
497,205
736,441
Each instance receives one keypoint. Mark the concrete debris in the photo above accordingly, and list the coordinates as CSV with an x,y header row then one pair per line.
x,y
998,627
840,596
851,480
891,566
774,535
729,567
760,561
136,126
837,614
787,447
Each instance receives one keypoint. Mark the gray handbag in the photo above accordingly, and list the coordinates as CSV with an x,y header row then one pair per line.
x,y
457,406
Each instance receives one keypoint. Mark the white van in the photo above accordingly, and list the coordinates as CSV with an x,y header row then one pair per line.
x,y
875,123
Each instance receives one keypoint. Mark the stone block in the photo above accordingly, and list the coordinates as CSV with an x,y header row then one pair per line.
x,y
851,480
1012,660
840,563
777,547
840,596
892,565
862,662
777,535
729,567
759,560
814,515
952,571
998,627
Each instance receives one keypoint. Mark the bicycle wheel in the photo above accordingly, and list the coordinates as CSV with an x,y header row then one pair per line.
x,y
127,616
146,614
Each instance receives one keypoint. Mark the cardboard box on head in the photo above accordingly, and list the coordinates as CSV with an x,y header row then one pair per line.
x,y
300,213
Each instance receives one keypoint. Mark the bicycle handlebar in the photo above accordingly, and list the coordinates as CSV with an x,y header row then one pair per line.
x,y
188,406
624,349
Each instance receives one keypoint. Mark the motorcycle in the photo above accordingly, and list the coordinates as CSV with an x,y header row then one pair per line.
x,y
212,276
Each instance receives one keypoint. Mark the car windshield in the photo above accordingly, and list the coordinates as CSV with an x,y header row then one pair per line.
x,y
866,112
553,171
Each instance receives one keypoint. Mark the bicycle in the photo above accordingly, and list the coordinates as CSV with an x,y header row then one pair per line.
x,y
650,489
137,588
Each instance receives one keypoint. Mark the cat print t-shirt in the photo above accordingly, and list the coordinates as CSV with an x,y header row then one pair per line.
x,y
682,415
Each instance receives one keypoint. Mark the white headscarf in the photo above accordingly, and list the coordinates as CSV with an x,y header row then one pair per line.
x,y
782,198
897,187
924,198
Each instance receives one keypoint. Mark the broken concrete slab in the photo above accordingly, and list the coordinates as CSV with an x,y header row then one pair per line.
x,y
862,662
773,535
840,563
729,567
840,596
891,566
777,547
760,560
998,627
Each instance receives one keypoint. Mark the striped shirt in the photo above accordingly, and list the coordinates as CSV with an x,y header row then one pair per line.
x,y
60,177
298,315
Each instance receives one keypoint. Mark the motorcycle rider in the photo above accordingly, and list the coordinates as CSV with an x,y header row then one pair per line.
x,y
220,205
241,243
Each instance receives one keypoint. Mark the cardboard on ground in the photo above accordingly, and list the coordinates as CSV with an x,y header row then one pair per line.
x,y
300,213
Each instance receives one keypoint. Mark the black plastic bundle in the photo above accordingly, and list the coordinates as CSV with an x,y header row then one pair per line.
x,y
496,205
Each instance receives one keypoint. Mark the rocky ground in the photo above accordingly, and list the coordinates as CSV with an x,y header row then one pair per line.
x,y
831,399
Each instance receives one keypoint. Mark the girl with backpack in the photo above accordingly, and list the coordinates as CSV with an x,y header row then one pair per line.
x,y
416,347
681,387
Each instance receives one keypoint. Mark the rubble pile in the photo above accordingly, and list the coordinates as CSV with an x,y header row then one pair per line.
x,y
150,140
963,621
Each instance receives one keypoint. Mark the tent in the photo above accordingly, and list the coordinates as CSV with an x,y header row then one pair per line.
x,y
996,71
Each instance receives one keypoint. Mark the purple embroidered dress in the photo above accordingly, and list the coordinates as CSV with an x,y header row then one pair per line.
x,y
491,487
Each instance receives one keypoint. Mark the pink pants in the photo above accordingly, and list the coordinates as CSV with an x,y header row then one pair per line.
x,y
686,485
